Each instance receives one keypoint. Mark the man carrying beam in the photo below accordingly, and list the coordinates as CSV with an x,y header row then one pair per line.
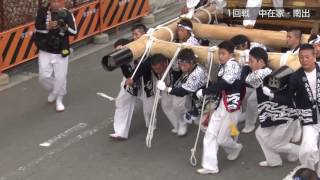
x,y
316,44
194,77
224,118
130,92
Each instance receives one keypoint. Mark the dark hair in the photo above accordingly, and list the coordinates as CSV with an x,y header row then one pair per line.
x,y
186,22
141,27
259,53
240,39
297,32
121,42
312,37
227,45
157,59
187,55
305,174
306,47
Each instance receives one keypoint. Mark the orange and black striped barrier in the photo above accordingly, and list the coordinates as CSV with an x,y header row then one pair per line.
x,y
88,21
116,12
17,44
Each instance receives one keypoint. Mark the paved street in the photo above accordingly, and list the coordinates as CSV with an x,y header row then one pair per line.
x,y
78,146
82,152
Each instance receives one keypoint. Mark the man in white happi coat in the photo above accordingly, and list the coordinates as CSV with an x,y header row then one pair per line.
x,y
128,95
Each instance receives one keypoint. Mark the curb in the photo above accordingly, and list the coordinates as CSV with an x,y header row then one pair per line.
x,y
88,46
4,79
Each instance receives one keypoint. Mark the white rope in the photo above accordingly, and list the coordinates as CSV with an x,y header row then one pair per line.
x,y
156,100
145,54
215,17
197,19
169,30
206,11
171,62
106,96
193,159
152,120
162,26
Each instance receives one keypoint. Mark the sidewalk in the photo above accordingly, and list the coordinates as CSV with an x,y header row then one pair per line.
x,y
86,47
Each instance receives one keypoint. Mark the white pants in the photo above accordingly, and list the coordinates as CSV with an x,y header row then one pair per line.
x,y
275,140
309,151
175,108
53,69
218,134
254,6
249,108
125,104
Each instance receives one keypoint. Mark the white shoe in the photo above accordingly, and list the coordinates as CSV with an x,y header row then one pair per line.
x,y
266,164
59,105
174,131
247,130
234,155
207,171
51,98
182,130
116,137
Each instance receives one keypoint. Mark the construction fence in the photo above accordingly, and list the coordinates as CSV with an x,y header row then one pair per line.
x,y
92,17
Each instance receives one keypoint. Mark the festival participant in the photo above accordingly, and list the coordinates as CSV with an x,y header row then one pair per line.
x,y
304,90
277,122
184,32
193,78
157,64
218,133
249,110
54,24
316,44
129,93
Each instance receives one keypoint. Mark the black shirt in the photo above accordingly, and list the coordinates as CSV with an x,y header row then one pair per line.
x,y
54,40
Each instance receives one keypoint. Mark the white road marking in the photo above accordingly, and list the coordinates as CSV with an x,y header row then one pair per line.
x,y
24,171
106,96
65,134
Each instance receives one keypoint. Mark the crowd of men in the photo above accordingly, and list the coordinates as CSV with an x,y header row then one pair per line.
x,y
288,115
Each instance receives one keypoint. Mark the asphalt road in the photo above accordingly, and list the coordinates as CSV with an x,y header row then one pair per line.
x,y
78,146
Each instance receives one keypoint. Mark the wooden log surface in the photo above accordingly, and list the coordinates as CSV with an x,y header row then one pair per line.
x,y
168,49
275,39
137,47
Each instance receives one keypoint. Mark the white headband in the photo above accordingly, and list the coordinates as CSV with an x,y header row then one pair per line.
x,y
185,27
315,41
